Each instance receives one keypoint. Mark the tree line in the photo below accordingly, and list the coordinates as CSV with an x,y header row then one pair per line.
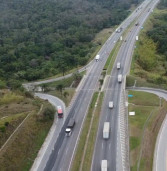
x,y
41,38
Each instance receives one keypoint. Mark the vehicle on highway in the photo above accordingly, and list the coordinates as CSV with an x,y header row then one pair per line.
x,y
118,30
104,165
106,130
119,78
111,104
97,57
137,23
118,65
59,112
70,126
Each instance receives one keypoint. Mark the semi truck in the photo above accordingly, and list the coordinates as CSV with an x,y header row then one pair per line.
x,y
59,112
106,130
104,165
111,105
119,78
70,126
97,57
118,65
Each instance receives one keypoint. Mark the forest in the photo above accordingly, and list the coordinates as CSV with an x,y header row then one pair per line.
x,y
41,38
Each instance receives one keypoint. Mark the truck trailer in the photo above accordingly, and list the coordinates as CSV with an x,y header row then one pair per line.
x,y
106,130
119,78
97,57
118,65
70,126
111,104
104,165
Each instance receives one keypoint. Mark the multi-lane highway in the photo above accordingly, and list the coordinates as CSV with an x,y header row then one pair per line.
x,y
64,149
110,149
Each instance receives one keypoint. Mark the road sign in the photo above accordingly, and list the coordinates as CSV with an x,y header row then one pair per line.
x,y
130,95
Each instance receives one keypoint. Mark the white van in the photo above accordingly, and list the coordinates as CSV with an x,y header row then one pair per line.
x,y
111,105
118,65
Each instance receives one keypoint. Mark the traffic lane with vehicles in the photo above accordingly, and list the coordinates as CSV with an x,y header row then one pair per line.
x,y
81,104
160,152
107,47
103,147
122,52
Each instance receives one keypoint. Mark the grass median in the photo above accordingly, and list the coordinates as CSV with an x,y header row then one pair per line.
x,y
90,140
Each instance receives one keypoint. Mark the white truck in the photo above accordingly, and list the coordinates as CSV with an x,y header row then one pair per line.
x,y
111,105
104,165
97,57
119,78
118,65
106,130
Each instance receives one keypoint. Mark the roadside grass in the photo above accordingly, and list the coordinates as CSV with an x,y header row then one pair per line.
x,y
9,97
21,150
142,82
143,128
91,139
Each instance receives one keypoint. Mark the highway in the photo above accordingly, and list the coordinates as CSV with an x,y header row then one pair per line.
x,y
64,148
110,149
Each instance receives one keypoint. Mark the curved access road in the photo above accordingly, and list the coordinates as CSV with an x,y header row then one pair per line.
x,y
53,133
160,152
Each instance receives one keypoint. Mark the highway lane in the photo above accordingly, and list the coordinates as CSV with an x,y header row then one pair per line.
x,y
78,110
111,148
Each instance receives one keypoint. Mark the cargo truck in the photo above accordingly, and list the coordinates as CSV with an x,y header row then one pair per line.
x,y
59,112
97,57
104,165
106,130
111,105
70,126
118,65
119,78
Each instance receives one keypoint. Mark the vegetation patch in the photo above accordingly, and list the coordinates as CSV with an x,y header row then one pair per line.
x,y
144,127
149,64
22,148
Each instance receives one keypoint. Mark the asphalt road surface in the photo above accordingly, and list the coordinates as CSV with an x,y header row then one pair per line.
x,y
64,148
110,149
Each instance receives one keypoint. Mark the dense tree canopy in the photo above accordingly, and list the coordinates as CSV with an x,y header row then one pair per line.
x,y
40,38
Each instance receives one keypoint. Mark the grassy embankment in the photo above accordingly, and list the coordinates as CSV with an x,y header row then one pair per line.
x,y
149,64
143,128
21,150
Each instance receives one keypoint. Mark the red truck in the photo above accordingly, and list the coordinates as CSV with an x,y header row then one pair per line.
x,y
59,112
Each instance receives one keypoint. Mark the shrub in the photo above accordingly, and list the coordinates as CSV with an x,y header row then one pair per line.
x,y
48,113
